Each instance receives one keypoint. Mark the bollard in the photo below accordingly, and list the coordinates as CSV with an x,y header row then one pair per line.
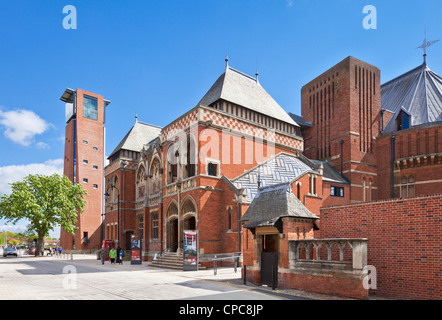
x,y
236,264
245,274
72,256
274,278
214,266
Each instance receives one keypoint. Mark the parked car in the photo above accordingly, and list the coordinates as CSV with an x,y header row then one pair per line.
x,y
9,251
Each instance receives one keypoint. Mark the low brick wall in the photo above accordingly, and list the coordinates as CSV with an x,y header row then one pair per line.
x,y
404,242
343,284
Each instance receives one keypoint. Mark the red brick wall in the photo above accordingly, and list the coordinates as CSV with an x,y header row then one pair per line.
x,y
404,244
343,103
90,131
422,140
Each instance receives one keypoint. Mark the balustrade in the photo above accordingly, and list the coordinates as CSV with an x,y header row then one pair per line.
x,y
309,250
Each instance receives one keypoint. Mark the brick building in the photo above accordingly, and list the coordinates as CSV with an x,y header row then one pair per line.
x,y
238,146
84,163
386,140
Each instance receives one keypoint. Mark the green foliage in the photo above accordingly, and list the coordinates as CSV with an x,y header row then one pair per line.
x,y
45,201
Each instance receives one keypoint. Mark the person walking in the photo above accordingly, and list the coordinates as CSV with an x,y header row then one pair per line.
x,y
112,255
102,254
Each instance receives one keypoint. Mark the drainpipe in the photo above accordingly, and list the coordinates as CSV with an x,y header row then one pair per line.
x,y
239,226
341,142
124,163
392,138
382,120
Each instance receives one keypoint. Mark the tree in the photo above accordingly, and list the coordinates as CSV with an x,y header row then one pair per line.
x,y
46,201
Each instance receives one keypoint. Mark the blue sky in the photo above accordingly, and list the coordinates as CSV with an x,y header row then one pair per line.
x,y
157,59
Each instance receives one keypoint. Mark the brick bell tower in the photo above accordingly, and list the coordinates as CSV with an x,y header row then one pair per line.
x,y
343,107
84,163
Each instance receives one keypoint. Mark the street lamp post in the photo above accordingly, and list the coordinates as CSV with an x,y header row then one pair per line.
x,y
106,195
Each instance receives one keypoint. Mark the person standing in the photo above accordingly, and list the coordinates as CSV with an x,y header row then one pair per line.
x,y
112,255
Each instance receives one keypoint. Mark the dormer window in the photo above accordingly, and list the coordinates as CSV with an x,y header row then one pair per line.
x,y
403,120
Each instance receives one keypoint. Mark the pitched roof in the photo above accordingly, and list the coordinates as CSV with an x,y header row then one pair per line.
x,y
244,90
273,203
281,168
140,134
417,92
330,174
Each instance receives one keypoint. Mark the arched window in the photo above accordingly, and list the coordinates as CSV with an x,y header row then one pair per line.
x,y
115,190
155,179
190,160
172,163
140,182
188,212
155,169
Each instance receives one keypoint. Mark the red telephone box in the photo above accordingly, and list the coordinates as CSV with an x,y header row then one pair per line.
x,y
107,244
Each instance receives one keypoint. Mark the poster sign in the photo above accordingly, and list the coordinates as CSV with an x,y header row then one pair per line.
x,y
190,254
135,248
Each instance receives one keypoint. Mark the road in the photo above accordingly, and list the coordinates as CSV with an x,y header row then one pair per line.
x,y
84,278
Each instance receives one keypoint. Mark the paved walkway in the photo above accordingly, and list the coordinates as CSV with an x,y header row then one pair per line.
x,y
224,275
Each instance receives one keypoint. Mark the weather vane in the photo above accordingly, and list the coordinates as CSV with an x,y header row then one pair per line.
x,y
425,45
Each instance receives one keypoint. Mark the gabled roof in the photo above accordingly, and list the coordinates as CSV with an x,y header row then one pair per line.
x,y
273,203
137,136
244,90
281,168
417,92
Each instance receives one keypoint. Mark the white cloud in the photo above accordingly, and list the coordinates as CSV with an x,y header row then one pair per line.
x,y
22,125
42,145
13,173
14,228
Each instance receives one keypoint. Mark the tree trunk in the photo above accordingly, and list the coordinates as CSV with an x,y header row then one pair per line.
x,y
39,250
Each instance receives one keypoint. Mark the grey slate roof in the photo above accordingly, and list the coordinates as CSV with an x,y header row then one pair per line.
x,y
418,92
281,168
300,121
330,174
137,136
244,90
273,203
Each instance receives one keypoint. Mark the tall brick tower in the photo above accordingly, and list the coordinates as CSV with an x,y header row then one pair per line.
x,y
343,107
84,163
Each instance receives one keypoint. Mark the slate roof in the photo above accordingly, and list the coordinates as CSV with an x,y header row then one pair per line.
x,y
417,92
273,203
244,90
330,174
140,134
281,168
300,121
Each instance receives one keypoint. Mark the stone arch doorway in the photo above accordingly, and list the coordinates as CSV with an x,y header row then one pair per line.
x,y
172,239
188,210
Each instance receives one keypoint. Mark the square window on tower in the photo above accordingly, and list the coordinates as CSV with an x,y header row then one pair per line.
x,y
90,107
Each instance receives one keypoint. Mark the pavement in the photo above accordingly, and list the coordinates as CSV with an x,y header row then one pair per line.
x,y
93,273
225,275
